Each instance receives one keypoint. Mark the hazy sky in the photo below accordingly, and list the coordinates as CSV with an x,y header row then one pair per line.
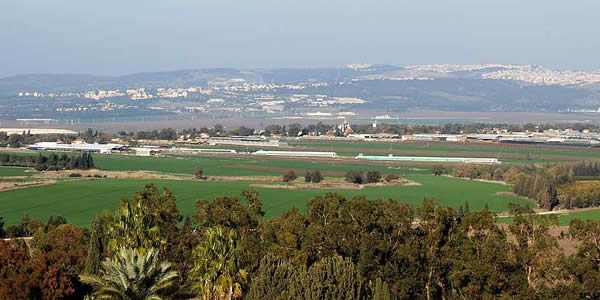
x,y
124,36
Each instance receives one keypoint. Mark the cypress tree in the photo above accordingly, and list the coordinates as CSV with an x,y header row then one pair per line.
x,y
466,206
94,257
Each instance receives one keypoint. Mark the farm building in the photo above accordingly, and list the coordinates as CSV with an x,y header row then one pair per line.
x,y
202,150
18,131
295,153
439,137
85,147
431,159
246,141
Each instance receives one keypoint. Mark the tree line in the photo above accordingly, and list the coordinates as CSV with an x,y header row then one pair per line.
x,y
550,185
51,162
320,128
26,138
337,249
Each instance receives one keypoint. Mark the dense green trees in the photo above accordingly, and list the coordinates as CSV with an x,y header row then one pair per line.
x,y
579,194
549,185
339,248
51,162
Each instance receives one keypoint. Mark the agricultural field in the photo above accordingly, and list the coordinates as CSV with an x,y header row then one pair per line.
x,y
80,200
565,219
246,165
507,152
6,171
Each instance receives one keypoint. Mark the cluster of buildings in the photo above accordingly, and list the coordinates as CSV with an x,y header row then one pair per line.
x,y
572,138
543,76
77,145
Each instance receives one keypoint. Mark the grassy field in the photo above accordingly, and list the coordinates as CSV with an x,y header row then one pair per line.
x,y
452,149
565,219
584,215
80,200
240,166
9,171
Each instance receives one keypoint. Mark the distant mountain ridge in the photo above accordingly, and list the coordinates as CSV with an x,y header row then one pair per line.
x,y
175,79
489,87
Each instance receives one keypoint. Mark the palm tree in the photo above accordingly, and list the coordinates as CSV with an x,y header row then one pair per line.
x,y
132,275
217,274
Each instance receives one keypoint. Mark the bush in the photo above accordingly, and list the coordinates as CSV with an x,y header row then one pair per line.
x,y
354,177
74,175
373,176
308,176
316,176
198,173
391,177
438,170
289,176
313,176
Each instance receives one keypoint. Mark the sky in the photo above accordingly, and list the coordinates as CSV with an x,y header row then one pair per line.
x,y
114,37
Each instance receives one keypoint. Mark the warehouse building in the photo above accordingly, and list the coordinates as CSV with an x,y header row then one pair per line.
x,y
79,146
430,159
295,153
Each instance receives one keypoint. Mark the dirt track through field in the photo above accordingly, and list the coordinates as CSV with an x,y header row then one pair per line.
x,y
283,170
8,186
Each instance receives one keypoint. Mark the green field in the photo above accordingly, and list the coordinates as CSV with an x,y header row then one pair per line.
x,y
231,166
80,200
584,215
9,171
352,148
565,219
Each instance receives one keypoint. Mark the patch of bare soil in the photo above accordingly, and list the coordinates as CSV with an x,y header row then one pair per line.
x,y
244,178
111,174
508,194
335,184
8,185
480,180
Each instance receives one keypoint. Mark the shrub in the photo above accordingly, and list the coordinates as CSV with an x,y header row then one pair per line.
x,y
313,176
289,176
308,176
74,175
391,177
354,177
316,176
373,176
438,170
198,173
